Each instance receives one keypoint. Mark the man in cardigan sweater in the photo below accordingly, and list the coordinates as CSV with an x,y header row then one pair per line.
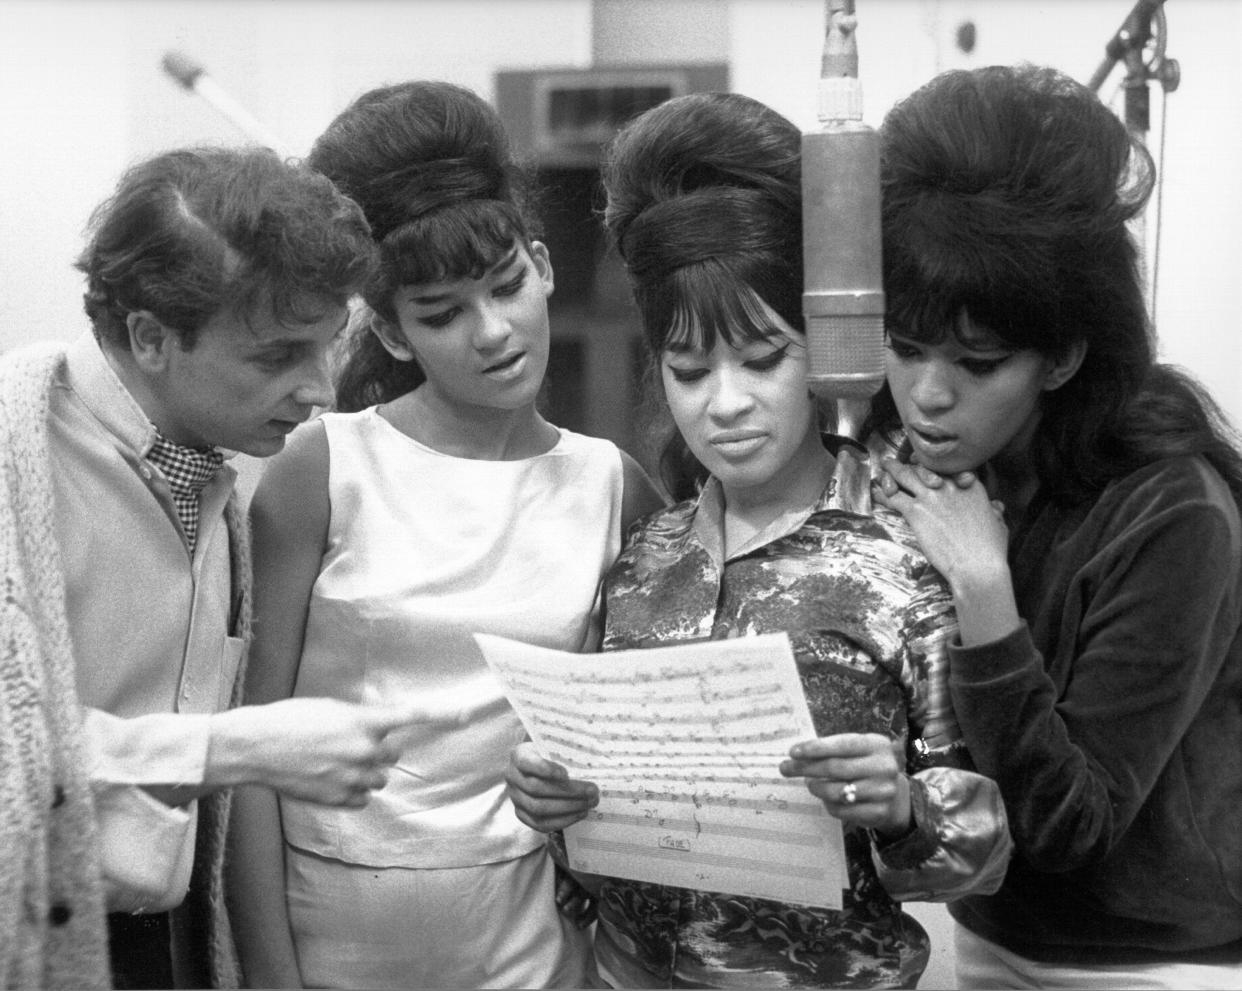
x,y
218,281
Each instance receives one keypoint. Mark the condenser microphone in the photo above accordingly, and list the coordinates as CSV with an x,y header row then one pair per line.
x,y
843,295
196,79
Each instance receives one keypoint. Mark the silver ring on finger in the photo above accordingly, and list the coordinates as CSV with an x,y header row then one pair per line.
x,y
849,793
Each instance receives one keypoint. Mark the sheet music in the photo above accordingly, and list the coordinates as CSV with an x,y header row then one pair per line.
x,y
684,743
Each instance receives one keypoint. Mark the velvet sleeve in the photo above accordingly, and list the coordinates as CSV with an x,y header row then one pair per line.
x,y
1136,631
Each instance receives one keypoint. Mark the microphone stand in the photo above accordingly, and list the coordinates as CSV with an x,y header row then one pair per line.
x,y
193,77
1127,45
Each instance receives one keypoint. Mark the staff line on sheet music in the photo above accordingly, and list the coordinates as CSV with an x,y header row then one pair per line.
x,y
747,774
532,691
767,803
742,707
799,870
752,708
688,680
711,777
638,746
602,675
762,762
699,829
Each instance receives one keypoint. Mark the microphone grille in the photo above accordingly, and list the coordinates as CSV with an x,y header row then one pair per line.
x,y
845,354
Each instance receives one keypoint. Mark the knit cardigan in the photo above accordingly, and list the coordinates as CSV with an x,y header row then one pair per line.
x,y
53,932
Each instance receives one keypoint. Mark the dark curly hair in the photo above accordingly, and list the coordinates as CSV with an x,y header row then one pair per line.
x,y
432,168
191,232
704,207
1006,197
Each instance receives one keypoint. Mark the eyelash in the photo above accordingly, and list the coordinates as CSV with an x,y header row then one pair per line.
x,y
512,287
900,349
761,365
445,317
978,367
441,319
768,361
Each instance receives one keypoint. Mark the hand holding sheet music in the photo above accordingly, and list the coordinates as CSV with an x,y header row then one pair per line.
x,y
684,744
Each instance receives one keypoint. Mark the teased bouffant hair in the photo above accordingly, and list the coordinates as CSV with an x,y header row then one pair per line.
x,y
704,207
192,232
1007,192
432,168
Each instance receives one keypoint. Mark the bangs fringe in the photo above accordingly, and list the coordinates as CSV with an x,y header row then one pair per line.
x,y
461,241
932,280
699,304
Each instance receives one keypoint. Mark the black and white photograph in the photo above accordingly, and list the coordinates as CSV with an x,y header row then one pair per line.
x,y
621,494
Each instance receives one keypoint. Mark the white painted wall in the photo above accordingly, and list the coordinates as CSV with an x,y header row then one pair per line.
x,y
82,94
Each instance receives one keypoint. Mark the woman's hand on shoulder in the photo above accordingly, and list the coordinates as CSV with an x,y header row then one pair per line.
x,y
859,777
958,526
962,532
544,796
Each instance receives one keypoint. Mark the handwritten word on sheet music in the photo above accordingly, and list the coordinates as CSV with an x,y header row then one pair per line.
x,y
684,743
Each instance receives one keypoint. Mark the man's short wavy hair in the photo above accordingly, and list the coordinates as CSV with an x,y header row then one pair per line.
x,y
192,232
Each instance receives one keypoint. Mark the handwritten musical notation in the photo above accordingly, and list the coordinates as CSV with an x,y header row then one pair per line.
x,y
684,743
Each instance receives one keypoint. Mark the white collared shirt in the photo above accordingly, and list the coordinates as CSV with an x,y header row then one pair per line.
x,y
149,624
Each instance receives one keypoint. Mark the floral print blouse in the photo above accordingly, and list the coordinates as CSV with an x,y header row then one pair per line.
x,y
869,620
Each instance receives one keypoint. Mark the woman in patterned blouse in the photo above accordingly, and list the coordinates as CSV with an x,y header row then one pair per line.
x,y
776,532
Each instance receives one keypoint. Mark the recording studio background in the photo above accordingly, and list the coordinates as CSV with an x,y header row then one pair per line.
x,y
83,93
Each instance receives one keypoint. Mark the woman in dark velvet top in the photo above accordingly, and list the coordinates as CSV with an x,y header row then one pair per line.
x,y
1084,510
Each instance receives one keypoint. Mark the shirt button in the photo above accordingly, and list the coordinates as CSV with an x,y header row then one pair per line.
x,y
145,472
59,915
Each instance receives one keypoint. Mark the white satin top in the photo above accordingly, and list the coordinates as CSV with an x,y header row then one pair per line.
x,y
425,549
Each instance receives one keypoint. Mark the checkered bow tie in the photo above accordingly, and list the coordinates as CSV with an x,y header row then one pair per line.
x,y
187,469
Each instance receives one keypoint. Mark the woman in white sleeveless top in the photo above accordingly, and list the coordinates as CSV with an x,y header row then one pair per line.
x,y
436,503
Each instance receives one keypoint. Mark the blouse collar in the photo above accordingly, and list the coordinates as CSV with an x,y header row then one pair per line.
x,y
848,491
